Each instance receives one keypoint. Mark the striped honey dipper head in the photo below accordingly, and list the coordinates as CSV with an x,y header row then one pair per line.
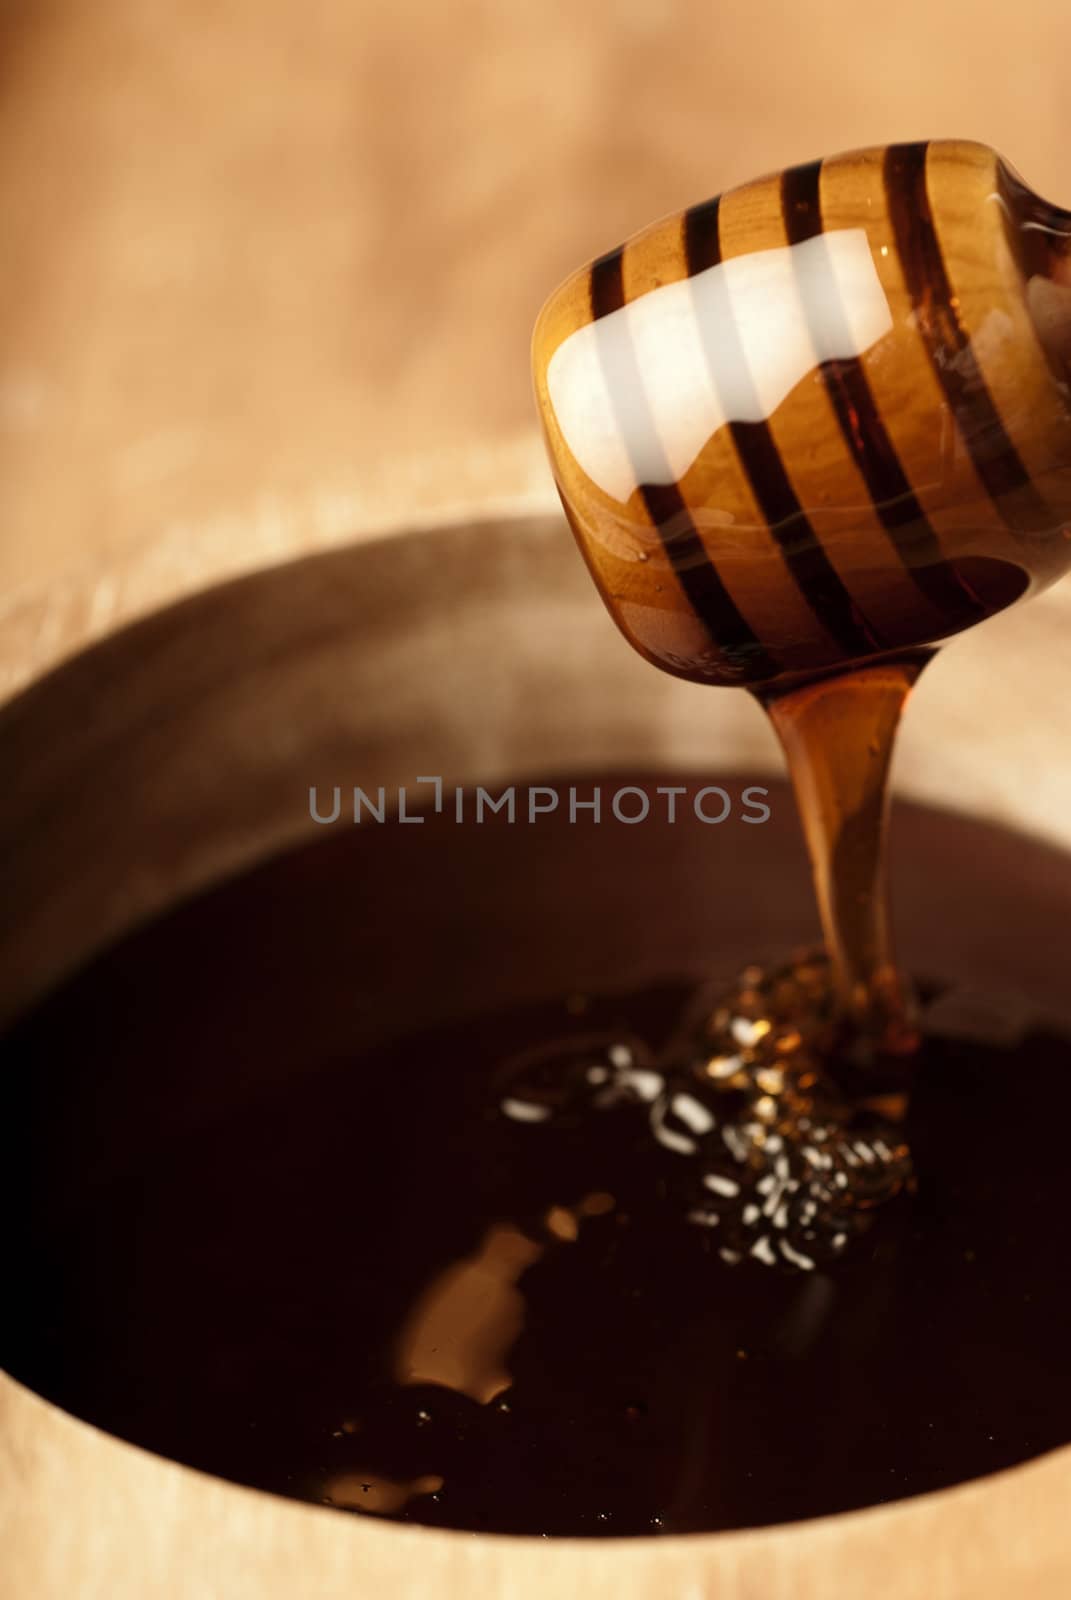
x,y
824,416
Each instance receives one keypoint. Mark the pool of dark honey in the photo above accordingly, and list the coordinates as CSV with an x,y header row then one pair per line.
x,y
264,1214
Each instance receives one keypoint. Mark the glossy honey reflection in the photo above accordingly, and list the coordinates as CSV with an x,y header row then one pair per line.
x,y
822,417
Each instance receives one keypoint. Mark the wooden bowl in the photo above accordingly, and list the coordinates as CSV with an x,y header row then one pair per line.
x,y
179,750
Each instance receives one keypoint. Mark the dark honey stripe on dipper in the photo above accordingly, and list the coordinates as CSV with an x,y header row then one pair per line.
x,y
995,458
802,550
695,572
910,533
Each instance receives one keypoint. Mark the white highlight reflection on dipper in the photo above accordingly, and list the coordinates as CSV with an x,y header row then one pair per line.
x,y
726,345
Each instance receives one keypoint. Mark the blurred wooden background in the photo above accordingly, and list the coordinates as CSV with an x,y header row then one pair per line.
x,y
270,266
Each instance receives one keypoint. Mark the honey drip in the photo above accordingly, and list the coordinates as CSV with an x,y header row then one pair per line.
x,y
838,735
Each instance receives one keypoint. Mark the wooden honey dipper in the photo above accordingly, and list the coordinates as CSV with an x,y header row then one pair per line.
x,y
805,431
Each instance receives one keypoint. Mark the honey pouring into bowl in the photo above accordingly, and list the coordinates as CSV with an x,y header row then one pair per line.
x,y
804,433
